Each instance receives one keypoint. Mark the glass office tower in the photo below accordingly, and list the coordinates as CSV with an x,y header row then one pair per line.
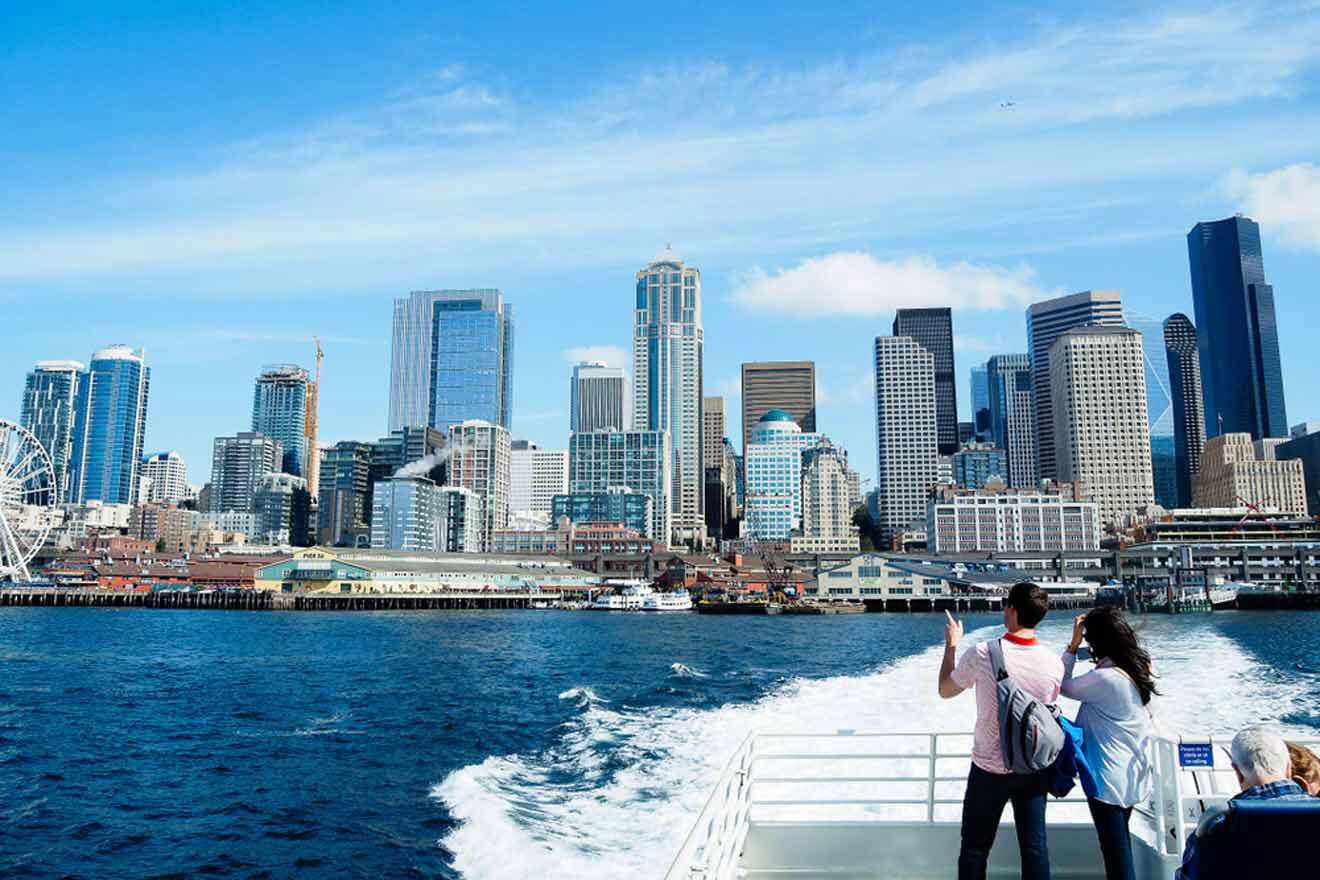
x,y
1241,377
932,329
451,359
1184,365
110,427
1159,409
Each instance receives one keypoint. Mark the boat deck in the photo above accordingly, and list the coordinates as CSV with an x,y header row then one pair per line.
x,y
857,806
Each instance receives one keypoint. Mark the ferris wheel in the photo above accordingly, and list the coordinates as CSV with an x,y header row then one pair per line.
x,y
27,491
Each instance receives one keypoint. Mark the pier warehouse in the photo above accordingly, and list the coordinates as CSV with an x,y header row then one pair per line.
x,y
402,572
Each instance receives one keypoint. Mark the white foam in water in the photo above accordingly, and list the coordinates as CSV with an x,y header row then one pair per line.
x,y
682,670
562,814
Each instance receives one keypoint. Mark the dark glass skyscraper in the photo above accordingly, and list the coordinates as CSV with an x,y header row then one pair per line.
x,y
980,402
932,329
1185,394
1238,341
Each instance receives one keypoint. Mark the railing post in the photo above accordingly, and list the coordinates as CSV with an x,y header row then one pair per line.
x,y
930,779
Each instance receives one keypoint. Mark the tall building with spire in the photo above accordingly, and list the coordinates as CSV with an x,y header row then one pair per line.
x,y
451,359
667,380
110,427
1237,334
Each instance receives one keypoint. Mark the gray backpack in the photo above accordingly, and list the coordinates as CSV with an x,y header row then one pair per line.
x,y
1029,731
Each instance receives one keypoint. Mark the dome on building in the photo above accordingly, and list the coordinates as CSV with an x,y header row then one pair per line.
x,y
774,422
776,415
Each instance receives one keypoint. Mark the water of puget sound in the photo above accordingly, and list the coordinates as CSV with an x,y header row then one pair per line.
x,y
519,744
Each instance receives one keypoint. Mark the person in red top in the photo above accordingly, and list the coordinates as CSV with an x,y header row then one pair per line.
x,y
990,786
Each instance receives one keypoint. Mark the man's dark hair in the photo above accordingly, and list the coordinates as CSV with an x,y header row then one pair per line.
x,y
1030,602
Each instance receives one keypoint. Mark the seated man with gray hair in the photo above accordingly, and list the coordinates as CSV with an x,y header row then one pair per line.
x,y
1260,759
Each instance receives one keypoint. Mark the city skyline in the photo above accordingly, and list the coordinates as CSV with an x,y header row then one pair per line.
x,y
241,234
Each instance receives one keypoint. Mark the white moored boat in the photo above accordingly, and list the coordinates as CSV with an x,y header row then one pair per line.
x,y
631,598
675,600
862,806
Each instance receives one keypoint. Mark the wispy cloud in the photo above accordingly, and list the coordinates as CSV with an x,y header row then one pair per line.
x,y
457,169
972,344
854,283
611,355
1286,201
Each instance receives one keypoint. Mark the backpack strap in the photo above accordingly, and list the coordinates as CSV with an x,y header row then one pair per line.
x,y
997,667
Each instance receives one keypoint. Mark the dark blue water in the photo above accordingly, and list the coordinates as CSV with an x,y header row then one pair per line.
x,y
143,743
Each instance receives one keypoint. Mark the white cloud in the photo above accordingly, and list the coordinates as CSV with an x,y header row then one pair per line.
x,y
855,283
755,159
982,345
612,355
857,388
1286,202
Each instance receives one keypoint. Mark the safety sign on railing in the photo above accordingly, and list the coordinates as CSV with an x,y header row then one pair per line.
x,y
1196,755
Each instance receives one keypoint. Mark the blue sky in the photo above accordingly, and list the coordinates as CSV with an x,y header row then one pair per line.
x,y
218,185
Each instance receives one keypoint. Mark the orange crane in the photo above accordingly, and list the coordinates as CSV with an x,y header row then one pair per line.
x,y
309,425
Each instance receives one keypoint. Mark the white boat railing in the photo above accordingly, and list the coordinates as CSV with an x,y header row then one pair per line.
x,y
914,779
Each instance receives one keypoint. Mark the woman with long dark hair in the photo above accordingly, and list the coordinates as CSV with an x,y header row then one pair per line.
x,y
1115,724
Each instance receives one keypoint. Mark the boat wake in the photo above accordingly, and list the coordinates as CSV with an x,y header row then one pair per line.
x,y
682,670
617,792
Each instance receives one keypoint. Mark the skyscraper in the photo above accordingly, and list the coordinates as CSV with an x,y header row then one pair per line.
x,y
1184,365
451,359
237,465
165,477
907,465
279,411
713,427
1045,322
980,403
827,514
1159,409
406,515
110,426
344,490
667,380
50,399
1012,421
932,329
1238,341
1101,431
774,476
785,385
282,506
479,456
598,397
536,476
604,461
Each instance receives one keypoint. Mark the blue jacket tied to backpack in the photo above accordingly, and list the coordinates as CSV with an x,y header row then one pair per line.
x,y
1072,764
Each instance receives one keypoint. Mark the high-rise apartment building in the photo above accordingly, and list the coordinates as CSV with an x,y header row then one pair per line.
x,y
713,428
1101,432
784,385
110,427
405,515
1184,366
634,509
932,329
419,449
452,359
827,525
50,400
279,411
667,381
1012,405
598,397
1159,409
981,402
976,464
1046,321
237,465
773,460
479,458
1237,335
164,478
344,510
1236,473
536,476
282,505
907,456
603,461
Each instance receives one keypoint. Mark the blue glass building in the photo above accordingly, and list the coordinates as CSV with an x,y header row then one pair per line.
x,y
50,398
1238,341
1159,409
981,402
110,426
452,359
279,410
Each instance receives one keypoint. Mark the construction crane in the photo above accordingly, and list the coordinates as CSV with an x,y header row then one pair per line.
x,y
309,425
